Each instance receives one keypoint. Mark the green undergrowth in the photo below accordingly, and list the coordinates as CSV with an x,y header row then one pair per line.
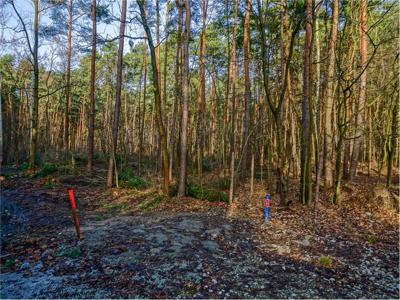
x,y
326,261
128,180
152,203
206,193
46,170
117,207
70,252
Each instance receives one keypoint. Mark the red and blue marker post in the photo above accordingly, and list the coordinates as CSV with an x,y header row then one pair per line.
x,y
267,208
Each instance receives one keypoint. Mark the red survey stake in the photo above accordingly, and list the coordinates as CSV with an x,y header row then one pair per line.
x,y
74,213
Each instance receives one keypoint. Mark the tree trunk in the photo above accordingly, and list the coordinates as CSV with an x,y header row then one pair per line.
x,y
202,92
35,107
117,110
247,88
68,81
329,164
363,87
232,97
185,90
177,86
305,181
391,146
157,98
141,133
92,88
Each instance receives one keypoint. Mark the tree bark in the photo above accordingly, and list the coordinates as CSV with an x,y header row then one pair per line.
x,y
35,107
329,164
305,181
157,102
177,86
247,90
92,89
185,100
202,92
68,80
117,110
363,87
232,97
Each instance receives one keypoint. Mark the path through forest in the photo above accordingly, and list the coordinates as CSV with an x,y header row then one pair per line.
x,y
189,254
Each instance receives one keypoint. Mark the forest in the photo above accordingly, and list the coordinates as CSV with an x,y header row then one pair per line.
x,y
204,141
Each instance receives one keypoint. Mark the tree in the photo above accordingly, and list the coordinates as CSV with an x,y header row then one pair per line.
x,y
157,99
185,101
247,88
68,79
360,112
92,90
232,99
305,180
329,93
111,164
202,91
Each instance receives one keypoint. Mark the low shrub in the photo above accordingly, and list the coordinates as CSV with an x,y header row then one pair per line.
x,y
326,261
203,193
130,181
46,170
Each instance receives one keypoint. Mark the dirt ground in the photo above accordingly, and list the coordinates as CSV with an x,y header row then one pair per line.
x,y
188,248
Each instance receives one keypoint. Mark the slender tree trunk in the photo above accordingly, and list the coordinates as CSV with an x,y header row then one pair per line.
x,y
363,87
391,146
157,98
117,110
247,89
184,123
202,93
92,88
166,48
329,97
68,81
232,97
35,107
305,181
177,86
141,133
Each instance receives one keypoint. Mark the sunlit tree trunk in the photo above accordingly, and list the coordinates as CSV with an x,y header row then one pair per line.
x,y
233,100
117,110
305,181
360,112
92,88
202,92
35,106
68,80
247,89
185,101
329,93
157,102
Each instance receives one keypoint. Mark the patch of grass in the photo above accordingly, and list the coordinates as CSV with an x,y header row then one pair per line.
x,y
99,217
151,204
128,180
49,183
203,193
9,263
46,170
372,239
24,166
117,207
71,253
326,261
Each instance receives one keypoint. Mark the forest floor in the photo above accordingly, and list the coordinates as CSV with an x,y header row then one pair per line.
x,y
138,245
